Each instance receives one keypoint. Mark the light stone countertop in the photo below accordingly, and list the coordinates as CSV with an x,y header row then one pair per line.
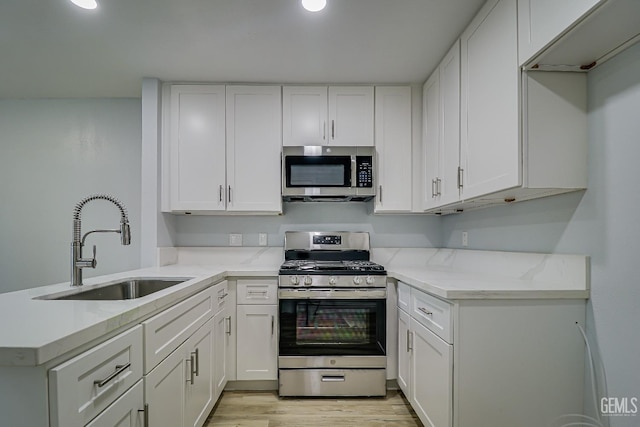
x,y
37,331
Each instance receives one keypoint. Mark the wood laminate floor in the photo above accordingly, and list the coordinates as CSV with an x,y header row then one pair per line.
x,y
266,409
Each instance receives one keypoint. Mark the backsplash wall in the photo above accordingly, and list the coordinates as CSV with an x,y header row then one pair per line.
x,y
385,230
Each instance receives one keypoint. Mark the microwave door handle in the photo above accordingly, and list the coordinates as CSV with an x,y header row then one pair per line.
x,y
354,183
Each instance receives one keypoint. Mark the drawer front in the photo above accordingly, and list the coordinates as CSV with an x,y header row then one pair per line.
x,y
433,313
168,330
332,382
404,296
86,385
257,292
221,296
127,411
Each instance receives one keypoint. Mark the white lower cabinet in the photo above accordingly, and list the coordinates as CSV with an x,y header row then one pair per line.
x,y
431,377
257,342
487,363
425,364
257,319
179,391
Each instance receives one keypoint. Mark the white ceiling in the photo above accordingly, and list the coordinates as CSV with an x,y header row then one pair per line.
x,y
51,48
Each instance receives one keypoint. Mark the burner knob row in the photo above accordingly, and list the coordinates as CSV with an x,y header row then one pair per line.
x,y
358,280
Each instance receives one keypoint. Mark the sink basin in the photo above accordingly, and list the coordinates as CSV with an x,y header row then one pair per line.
x,y
123,290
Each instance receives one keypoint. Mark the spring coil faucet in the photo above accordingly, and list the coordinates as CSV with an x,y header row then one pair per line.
x,y
77,262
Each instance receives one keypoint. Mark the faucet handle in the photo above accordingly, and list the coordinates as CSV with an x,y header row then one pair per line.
x,y
87,262
94,261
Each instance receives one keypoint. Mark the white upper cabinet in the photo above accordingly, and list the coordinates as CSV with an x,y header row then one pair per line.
x,y
321,115
541,21
197,148
224,149
490,139
393,147
304,120
254,141
351,115
441,131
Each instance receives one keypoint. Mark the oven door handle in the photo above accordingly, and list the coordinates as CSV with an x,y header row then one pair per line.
x,y
332,294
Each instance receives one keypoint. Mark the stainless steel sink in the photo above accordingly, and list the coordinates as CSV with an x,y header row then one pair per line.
x,y
126,289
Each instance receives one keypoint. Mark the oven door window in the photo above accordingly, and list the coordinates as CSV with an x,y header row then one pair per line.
x,y
332,327
318,171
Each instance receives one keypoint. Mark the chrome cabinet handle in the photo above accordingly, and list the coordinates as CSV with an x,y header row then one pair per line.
x,y
119,369
272,324
220,190
425,311
460,176
438,187
433,190
380,188
324,130
333,129
146,414
191,378
223,296
408,340
229,194
228,325
196,365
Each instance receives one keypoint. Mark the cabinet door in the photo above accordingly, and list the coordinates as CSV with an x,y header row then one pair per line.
x,y
164,390
404,353
490,139
257,339
197,148
541,21
200,387
351,115
304,115
431,139
127,411
222,339
447,187
254,143
393,147
432,377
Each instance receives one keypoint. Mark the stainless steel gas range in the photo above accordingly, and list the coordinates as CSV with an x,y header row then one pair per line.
x,y
332,316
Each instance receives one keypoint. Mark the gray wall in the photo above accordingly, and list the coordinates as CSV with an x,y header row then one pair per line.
x,y
54,153
385,230
601,222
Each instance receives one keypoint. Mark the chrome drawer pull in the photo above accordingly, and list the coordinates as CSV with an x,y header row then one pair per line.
x,y
425,311
119,369
332,378
223,296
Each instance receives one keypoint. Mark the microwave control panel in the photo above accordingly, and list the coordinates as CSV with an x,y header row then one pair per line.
x,y
364,171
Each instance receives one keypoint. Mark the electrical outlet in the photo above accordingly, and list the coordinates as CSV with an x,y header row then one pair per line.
x,y
262,239
465,238
235,239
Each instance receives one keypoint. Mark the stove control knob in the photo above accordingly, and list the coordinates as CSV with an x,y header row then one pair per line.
x,y
333,280
370,280
357,280
294,280
308,280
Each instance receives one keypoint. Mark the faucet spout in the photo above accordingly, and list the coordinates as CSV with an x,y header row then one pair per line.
x,y
77,262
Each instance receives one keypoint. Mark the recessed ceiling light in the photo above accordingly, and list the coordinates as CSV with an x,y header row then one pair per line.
x,y
85,4
314,5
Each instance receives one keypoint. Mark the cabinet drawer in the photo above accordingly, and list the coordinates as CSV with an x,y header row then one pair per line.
x,y
221,296
128,410
257,292
404,296
433,313
84,386
165,332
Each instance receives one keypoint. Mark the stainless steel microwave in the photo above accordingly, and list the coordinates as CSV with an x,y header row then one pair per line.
x,y
328,173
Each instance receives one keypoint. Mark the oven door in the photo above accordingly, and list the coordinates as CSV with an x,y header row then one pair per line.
x,y
332,322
